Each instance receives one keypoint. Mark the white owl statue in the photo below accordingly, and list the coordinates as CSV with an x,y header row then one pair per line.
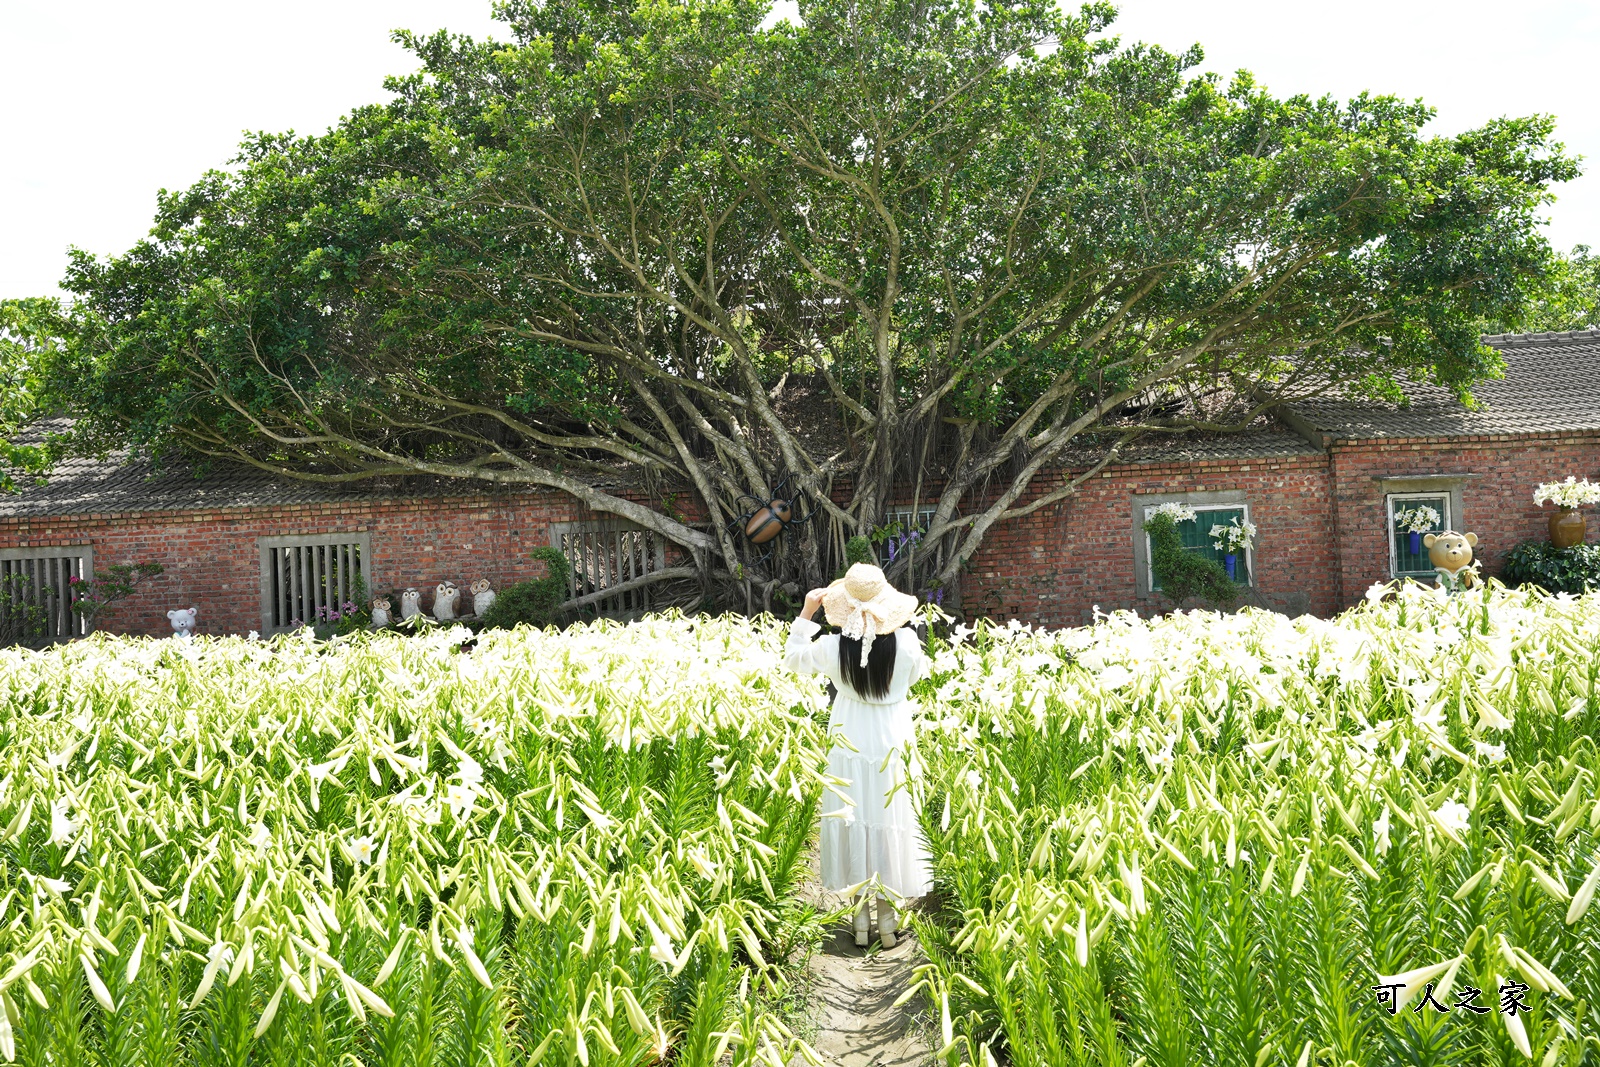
x,y
410,604
380,612
445,596
482,596
182,620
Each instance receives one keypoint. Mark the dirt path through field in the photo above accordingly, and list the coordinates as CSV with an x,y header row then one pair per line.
x,y
853,992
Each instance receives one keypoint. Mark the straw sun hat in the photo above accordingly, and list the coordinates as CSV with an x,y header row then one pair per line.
x,y
863,604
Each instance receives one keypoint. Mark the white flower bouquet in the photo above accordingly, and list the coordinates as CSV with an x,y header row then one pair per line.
x,y
1569,494
1236,538
1175,511
1417,520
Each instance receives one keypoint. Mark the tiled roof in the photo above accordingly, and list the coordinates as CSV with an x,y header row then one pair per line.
x,y
80,486
1551,385
116,484
1267,441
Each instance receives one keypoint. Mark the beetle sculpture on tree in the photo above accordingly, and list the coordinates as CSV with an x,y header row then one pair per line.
x,y
762,524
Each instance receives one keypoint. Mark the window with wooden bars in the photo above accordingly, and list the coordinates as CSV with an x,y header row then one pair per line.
x,y
611,553
1195,534
310,578
37,594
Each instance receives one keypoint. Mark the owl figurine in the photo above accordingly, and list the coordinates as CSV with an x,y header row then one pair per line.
x,y
410,604
482,596
445,596
380,612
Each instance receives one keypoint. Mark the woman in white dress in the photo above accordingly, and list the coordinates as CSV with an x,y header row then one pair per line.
x,y
872,661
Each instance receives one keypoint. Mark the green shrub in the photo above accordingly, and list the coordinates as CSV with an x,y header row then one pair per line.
x,y
1184,574
535,602
1556,570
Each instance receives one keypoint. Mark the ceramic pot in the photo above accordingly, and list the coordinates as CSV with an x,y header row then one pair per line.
x,y
1416,543
1231,561
1567,528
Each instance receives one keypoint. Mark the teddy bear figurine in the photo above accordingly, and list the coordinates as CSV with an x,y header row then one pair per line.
x,y
182,620
380,612
1451,555
445,596
410,604
482,596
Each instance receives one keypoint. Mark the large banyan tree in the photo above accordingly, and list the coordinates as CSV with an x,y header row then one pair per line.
x,y
901,253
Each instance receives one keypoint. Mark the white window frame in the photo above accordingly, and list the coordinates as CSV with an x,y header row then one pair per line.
x,y
47,568
1249,553
309,579
1440,496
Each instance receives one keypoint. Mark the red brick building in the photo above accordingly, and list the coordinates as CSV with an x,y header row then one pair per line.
x,y
1321,486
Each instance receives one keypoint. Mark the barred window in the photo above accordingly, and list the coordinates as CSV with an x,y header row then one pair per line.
x,y
609,553
1403,562
1195,534
37,594
309,578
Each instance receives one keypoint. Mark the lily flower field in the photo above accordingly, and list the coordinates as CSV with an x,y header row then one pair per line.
x,y
1157,842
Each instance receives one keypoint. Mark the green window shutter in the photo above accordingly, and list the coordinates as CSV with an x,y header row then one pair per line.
x,y
1196,537
1406,562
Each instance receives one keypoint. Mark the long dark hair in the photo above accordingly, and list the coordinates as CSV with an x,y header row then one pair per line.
x,y
872,680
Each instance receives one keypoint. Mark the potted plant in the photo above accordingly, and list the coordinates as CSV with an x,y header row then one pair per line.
x,y
1416,522
1566,525
1232,540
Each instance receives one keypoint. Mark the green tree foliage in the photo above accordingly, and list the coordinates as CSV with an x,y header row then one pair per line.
x,y
1185,574
96,594
536,602
929,244
30,332
1571,299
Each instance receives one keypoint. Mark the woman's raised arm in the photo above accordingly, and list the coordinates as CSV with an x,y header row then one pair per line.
x,y
803,655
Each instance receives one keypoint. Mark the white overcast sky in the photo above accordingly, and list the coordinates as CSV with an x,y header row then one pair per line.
x,y
102,103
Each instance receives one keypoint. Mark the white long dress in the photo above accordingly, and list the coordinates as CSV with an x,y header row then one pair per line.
x,y
875,836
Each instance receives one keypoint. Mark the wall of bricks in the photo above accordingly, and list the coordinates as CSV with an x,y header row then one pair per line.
x,y
1499,475
212,560
1321,519
1054,566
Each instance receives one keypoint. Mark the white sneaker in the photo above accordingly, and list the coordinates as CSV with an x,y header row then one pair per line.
x,y
888,923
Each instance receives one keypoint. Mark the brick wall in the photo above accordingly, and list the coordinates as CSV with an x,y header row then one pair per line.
x,y
1052,567
212,561
1321,537
1496,496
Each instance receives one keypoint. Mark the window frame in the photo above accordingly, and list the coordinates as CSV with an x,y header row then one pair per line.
x,y
268,547
1249,553
76,560
1446,517
1200,500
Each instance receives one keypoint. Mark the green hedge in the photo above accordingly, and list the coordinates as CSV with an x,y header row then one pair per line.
x,y
1556,570
535,602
